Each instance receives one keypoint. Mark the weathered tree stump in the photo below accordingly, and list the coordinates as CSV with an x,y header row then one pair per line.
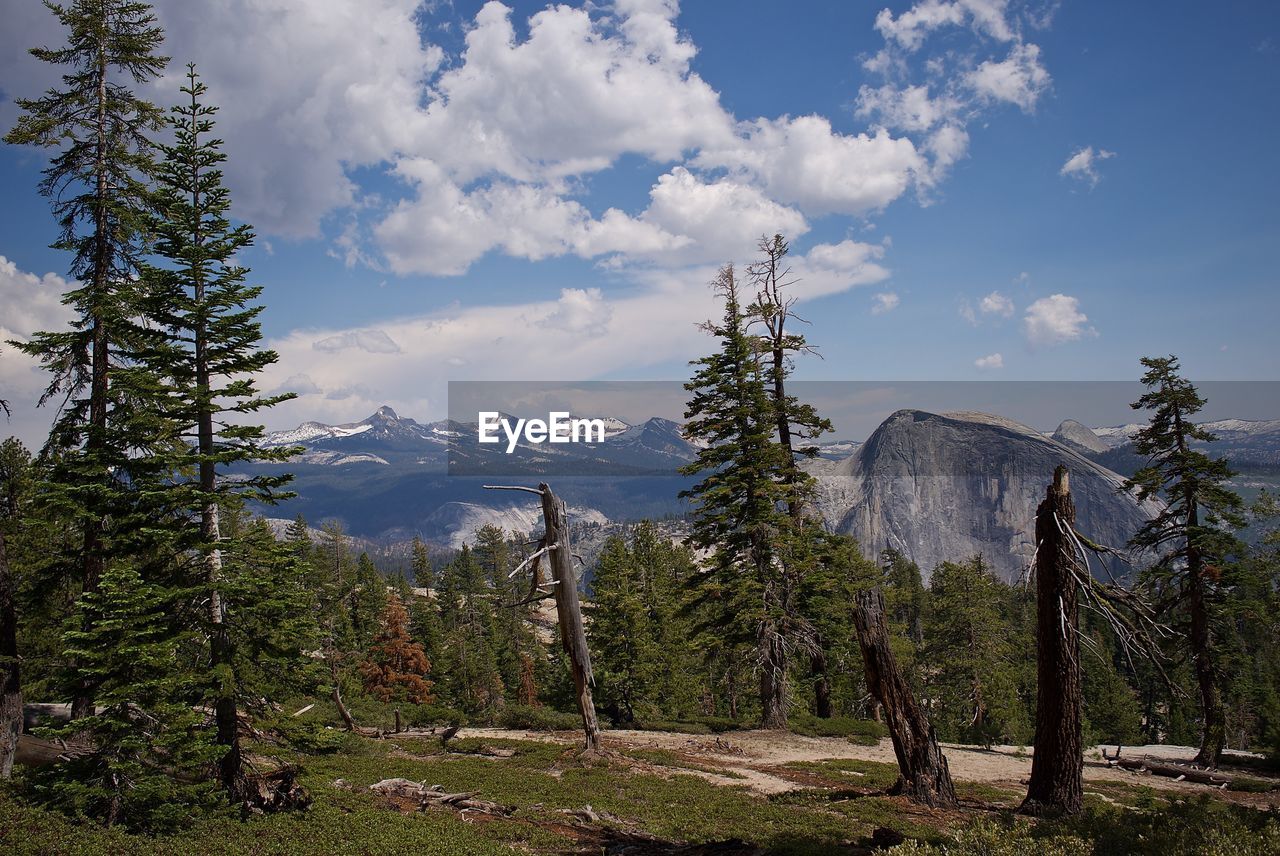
x,y
573,636
922,768
558,550
1057,768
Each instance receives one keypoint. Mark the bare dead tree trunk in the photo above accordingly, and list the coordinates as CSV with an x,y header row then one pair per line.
x,y
1057,768
573,636
923,773
10,678
337,696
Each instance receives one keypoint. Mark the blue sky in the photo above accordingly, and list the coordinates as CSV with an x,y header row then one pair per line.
x,y
975,189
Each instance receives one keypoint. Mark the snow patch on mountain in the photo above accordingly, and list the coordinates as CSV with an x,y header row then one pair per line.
x,y
330,458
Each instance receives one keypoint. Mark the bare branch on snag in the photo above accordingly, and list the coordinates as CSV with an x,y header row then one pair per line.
x,y
1115,604
531,559
533,490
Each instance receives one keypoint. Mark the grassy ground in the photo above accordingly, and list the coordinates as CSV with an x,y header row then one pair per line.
x,y
840,807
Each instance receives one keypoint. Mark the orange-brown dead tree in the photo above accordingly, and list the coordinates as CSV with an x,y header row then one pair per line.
x,y
397,666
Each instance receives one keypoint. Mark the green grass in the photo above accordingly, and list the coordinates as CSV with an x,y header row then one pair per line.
x,y
541,778
862,731
851,772
667,758
332,825
983,792
1250,785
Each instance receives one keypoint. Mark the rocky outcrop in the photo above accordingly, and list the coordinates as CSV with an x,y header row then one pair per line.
x,y
944,487
456,523
1079,437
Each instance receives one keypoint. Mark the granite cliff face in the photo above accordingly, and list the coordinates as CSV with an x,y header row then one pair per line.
x,y
944,487
1081,437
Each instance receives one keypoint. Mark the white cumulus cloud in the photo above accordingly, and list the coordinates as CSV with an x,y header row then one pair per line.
x,y
31,304
1054,320
990,361
994,65
581,330
996,303
884,302
1083,165
491,146
1018,79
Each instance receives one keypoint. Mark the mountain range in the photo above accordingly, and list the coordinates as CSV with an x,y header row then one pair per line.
x,y
934,486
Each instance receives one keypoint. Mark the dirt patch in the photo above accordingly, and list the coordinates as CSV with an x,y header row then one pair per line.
x,y
758,756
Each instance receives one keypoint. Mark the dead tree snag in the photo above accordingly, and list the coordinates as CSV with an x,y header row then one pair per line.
x,y
922,768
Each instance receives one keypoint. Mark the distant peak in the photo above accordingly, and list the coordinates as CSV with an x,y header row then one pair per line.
x,y
384,412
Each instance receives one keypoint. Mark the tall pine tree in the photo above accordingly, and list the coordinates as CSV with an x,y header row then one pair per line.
x,y
740,504
796,423
204,342
99,185
1192,535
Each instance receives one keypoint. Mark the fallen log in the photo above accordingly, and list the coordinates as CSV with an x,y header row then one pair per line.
x,y
37,751
1173,771
435,795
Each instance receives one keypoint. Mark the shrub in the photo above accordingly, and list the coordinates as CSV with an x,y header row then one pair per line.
x,y
518,716
424,715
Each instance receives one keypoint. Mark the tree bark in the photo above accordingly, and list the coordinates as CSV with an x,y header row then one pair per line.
x,y
10,678
821,683
92,563
1057,767
221,653
773,677
337,696
573,637
923,773
1213,733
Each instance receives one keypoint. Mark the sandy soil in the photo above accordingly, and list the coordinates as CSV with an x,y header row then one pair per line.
x,y
752,758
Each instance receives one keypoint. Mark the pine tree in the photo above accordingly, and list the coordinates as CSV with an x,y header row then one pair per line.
x,y
1256,610
99,187
298,536
795,422
739,511
1192,534
146,734
971,656
15,472
1111,710
366,602
468,664
397,667
905,599
204,342
424,614
272,625
620,636
834,574
512,640
665,569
